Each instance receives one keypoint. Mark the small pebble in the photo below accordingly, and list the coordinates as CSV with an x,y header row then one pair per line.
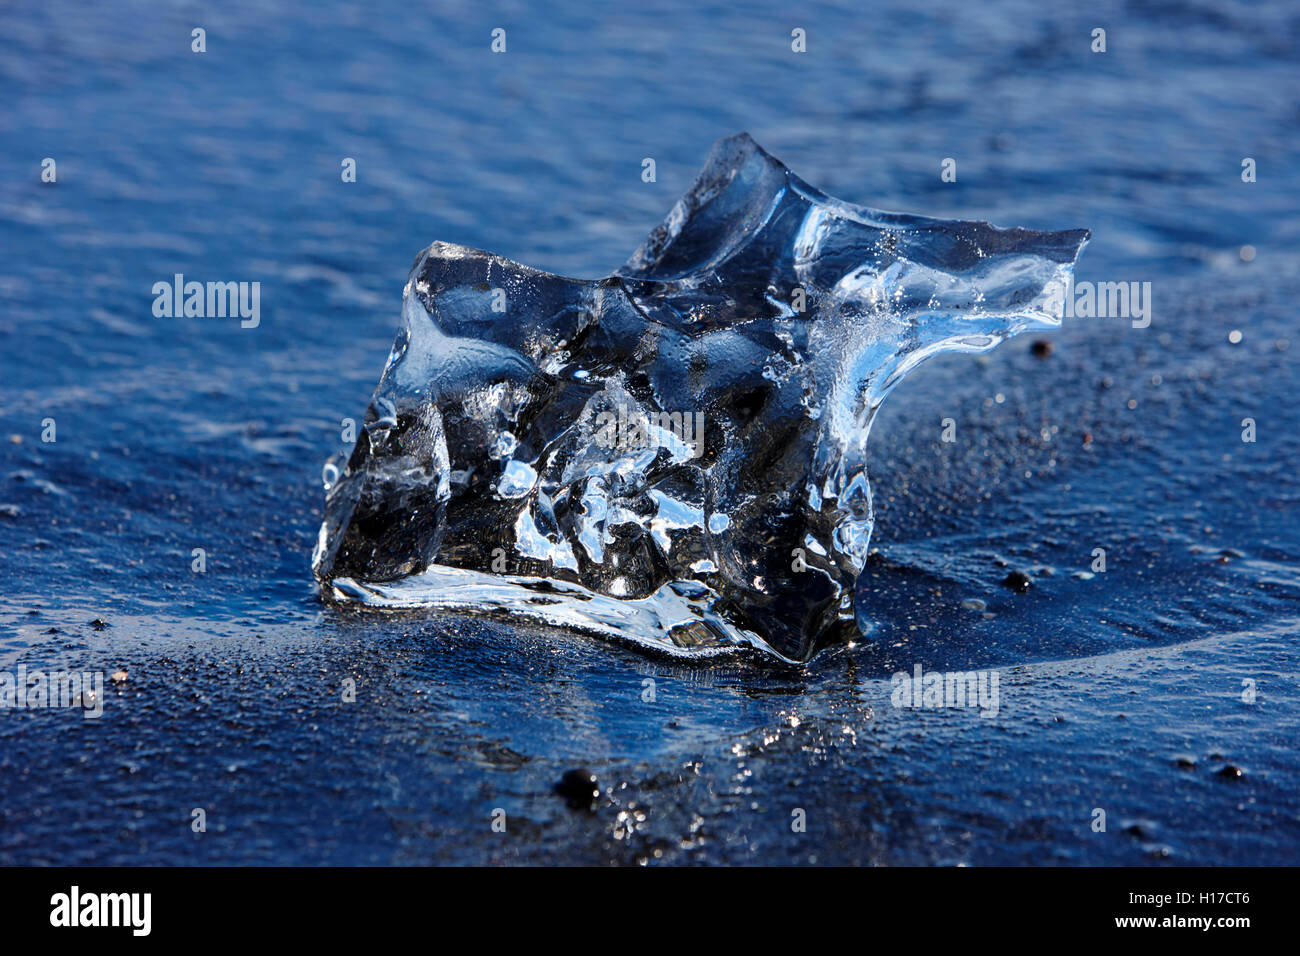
x,y
99,624
1231,772
119,676
973,604
1041,348
1017,581
579,786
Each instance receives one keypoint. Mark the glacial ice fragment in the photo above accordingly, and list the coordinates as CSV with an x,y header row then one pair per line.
x,y
674,455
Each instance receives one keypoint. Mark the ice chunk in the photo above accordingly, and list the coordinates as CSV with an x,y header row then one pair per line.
x,y
675,455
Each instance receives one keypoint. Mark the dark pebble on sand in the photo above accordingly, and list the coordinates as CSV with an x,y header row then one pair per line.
x,y
1231,772
1017,581
579,786
99,624
1041,348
